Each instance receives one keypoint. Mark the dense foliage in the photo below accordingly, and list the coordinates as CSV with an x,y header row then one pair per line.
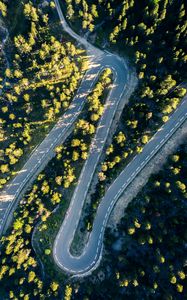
x,y
39,73
154,34
19,268
42,75
146,256
3,8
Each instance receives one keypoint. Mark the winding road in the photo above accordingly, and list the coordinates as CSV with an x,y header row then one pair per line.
x,y
89,259
122,87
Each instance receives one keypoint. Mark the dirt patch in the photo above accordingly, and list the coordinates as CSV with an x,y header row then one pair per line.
x,y
153,166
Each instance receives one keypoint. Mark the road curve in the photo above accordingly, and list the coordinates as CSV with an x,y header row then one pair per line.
x,y
83,264
88,260
10,195
121,90
98,60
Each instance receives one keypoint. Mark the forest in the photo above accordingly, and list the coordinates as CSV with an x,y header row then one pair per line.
x,y
40,77
146,255
40,71
161,69
50,191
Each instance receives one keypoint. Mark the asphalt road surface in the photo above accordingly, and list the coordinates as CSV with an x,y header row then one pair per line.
x,y
10,196
88,260
121,89
91,255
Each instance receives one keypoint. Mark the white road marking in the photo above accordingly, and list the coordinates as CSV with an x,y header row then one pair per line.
x,y
112,203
